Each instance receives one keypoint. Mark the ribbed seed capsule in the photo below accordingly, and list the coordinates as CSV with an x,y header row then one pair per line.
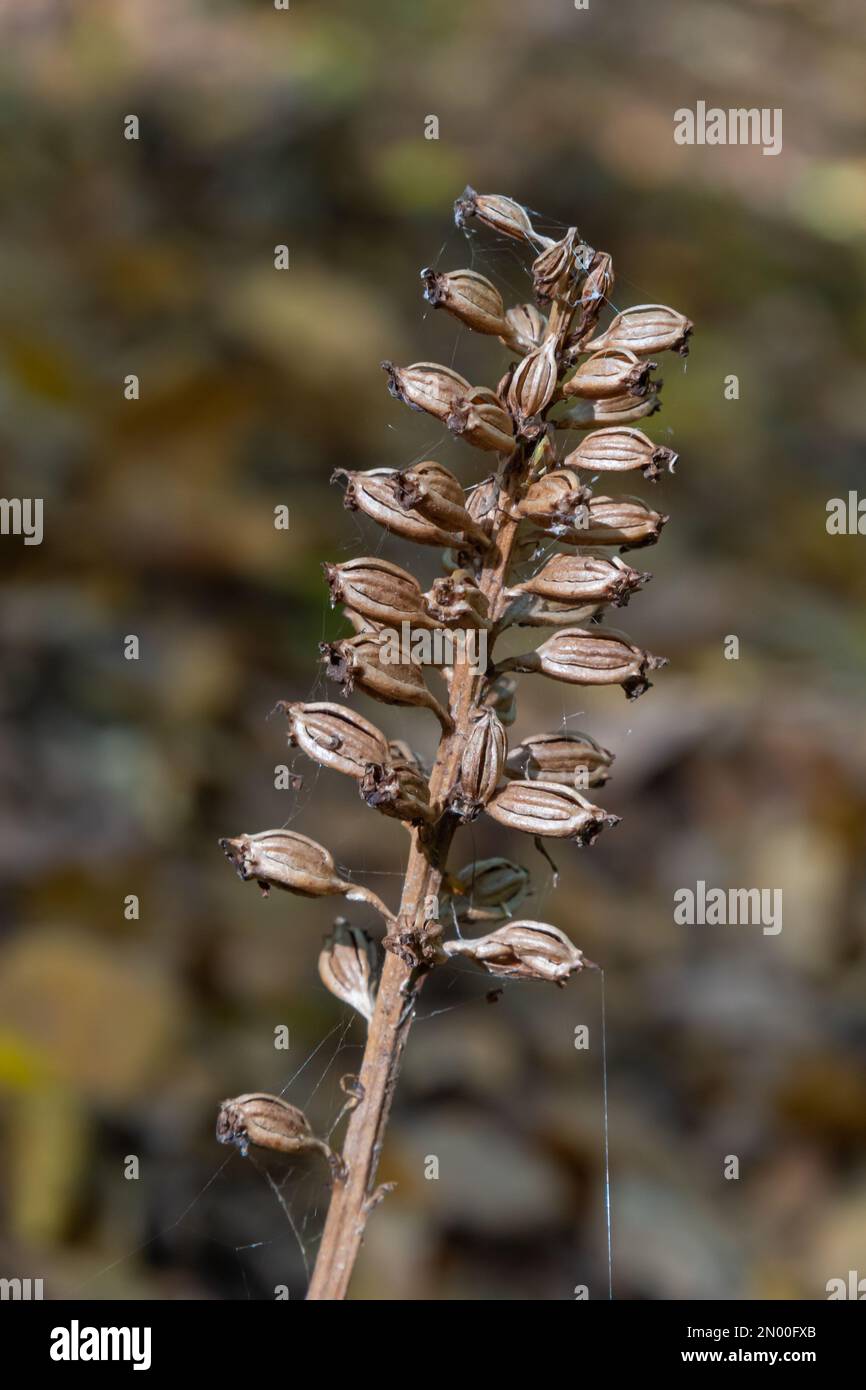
x,y
559,266
548,809
522,951
620,450
487,890
373,663
470,297
591,656
427,386
379,590
624,521
397,790
528,610
644,329
557,497
269,1122
612,372
480,420
455,601
285,859
595,293
534,382
615,410
377,494
497,212
525,328
433,492
347,967
481,765
335,736
577,579
568,759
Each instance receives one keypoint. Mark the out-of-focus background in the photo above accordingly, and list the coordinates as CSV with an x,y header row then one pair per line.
x,y
119,1034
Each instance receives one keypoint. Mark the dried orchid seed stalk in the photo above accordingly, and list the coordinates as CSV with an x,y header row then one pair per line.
x,y
500,568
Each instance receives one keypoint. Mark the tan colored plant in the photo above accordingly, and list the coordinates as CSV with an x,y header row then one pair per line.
x,y
568,376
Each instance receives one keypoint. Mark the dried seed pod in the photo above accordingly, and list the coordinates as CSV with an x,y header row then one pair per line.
x,y
591,656
559,266
375,664
335,736
456,601
528,610
435,493
347,967
548,809
480,420
285,859
470,297
644,329
612,372
427,386
487,890
497,212
377,589
525,328
533,383
558,497
270,1122
615,410
595,293
624,521
620,450
567,759
398,791
522,951
377,493
576,579
481,764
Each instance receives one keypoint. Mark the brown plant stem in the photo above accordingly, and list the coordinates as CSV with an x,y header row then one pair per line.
x,y
351,1200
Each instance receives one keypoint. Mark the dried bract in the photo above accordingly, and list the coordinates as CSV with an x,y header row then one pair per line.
x,y
347,967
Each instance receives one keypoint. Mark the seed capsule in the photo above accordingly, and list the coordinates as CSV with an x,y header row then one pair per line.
x,y
557,498
269,1122
467,295
487,890
613,372
563,758
525,328
426,386
615,410
400,791
285,859
591,656
621,451
377,589
347,967
576,579
624,521
557,268
335,736
546,808
374,663
456,601
528,610
595,293
497,212
644,329
480,420
481,765
534,382
523,951
377,494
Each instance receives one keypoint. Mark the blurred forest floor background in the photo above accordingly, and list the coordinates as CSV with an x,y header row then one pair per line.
x,y
155,257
